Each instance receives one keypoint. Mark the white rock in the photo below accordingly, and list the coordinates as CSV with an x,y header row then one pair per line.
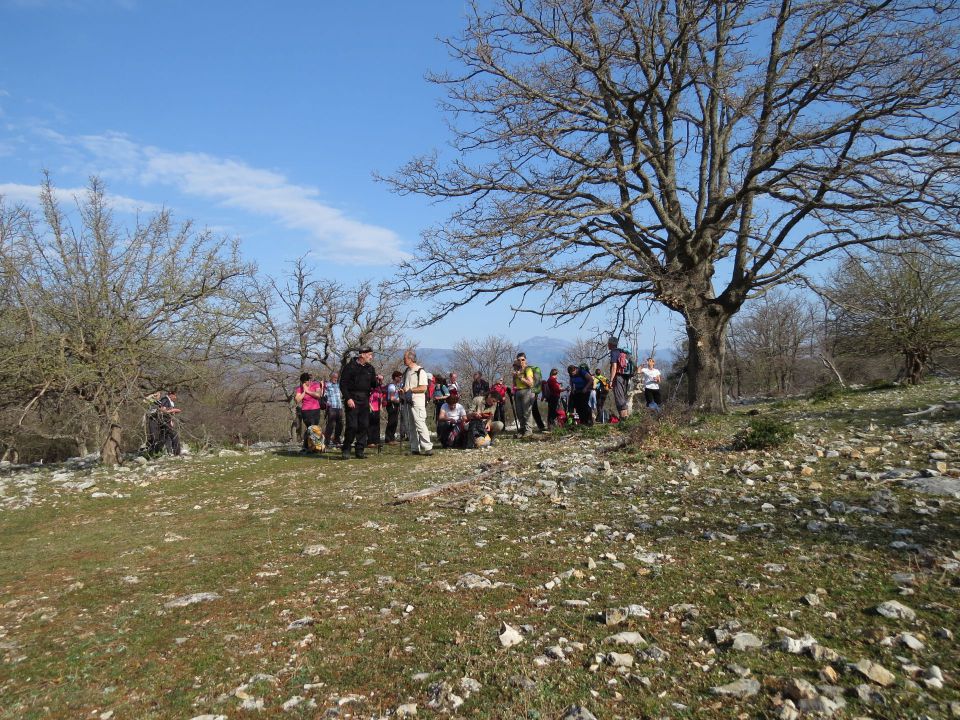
x,y
896,611
626,638
509,636
185,600
875,672
408,710
315,550
619,659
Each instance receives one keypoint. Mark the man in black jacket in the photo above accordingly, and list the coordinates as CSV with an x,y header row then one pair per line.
x,y
356,381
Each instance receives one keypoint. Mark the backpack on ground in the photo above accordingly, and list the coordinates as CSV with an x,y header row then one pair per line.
x,y
315,439
625,365
477,434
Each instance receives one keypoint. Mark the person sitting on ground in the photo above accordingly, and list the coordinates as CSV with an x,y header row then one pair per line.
x,y
481,414
451,422
651,384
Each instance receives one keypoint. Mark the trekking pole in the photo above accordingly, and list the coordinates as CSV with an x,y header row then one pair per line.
x,y
513,406
676,387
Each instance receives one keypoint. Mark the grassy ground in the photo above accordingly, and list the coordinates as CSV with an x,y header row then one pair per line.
x,y
84,631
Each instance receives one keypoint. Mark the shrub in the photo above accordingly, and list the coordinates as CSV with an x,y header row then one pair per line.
x,y
763,433
825,392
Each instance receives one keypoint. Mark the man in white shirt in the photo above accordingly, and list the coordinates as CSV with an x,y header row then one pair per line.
x,y
451,423
414,388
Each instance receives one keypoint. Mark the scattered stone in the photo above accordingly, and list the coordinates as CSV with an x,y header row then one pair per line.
x,y
910,641
811,599
746,641
896,611
875,672
619,659
615,616
799,689
509,636
626,638
743,688
185,600
796,646
578,712
820,705
407,710
472,581
869,695
315,550
301,623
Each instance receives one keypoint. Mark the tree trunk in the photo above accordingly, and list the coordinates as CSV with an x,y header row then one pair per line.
x,y
915,363
110,453
706,333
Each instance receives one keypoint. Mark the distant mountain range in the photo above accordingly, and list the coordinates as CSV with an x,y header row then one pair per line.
x,y
541,350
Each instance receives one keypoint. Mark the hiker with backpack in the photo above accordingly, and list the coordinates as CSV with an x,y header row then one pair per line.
x,y
378,398
333,399
651,384
551,391
525,386
414,388
500,413
393,407
621,370
602,386
357,381
537,395
439,394
307,396
480,387
581,384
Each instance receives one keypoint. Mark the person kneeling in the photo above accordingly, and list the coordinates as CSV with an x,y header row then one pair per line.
x,y
451,422
483,429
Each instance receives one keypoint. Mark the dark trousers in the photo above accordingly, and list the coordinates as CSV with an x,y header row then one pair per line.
x,y
357,425
601,411
171,438
553,403
500,413
154,434
331,433
393,416
536,414
652,396
373,431
581,403
310,417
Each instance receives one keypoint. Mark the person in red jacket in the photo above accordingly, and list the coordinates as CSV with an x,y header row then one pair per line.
x,y
500,414
551,393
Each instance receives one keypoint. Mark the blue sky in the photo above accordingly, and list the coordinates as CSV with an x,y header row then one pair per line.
x,y
261,120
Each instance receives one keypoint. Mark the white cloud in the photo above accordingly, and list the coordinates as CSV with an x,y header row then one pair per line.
x,y
235,184
30,195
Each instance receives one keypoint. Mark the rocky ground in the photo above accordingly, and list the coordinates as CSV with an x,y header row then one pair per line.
x,y
655,575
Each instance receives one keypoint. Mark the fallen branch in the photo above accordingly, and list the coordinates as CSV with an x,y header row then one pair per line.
x,y
934,409
450,486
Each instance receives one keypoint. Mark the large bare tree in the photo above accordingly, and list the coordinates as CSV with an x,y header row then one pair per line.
x,y
610,152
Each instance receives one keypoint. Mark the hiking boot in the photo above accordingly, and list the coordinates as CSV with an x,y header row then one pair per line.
x,y
345,455
360,456
426,452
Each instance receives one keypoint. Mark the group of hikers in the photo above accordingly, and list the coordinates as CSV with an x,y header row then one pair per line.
x,y
352,402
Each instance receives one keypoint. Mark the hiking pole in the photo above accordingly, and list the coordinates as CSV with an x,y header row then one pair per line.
x,y
513,406
676,387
